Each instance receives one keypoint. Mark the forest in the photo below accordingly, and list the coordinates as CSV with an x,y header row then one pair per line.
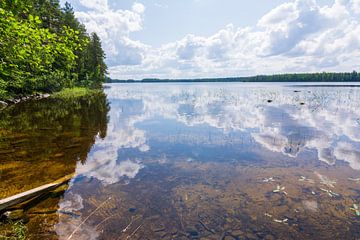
x,y
292,77
44,49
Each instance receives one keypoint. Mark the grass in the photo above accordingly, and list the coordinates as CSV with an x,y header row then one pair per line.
x,y
18,231
66,93
76,92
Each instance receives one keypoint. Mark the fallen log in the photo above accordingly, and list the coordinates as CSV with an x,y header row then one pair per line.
x,y
24,196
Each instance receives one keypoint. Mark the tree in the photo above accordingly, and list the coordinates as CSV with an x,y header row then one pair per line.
x,y
45,48
95,63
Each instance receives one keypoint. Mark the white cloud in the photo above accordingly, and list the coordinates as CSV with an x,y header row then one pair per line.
x,y
100,5
138,8
114,28
159,5
297,36
289,24
355,6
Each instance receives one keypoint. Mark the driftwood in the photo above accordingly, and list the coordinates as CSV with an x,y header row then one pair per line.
x,y
24,196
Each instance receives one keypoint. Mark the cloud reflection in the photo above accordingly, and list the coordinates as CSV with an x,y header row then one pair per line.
x,y
283,125
328,124
103,160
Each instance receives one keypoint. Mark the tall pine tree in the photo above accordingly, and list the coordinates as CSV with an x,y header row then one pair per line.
x,y
95,64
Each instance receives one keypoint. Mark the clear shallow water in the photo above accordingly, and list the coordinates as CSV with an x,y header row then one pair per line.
x,y
191,161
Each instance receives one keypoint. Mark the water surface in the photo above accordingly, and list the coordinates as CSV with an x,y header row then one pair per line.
x,y
189,161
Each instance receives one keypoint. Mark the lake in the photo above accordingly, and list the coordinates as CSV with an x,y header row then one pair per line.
x,y
188,161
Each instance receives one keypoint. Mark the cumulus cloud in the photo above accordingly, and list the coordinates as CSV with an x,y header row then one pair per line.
x,y
100,5
355,6
296,36
289,24
138,8
114,28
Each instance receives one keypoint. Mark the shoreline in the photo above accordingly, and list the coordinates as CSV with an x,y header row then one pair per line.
x,y
74,92
13,101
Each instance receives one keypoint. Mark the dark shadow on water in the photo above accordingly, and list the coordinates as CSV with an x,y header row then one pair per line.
x,y
42,141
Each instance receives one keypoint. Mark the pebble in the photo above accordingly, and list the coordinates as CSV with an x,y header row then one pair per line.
x,y
228,238
192,232
250,236
269,237
22,99
132,210
237,233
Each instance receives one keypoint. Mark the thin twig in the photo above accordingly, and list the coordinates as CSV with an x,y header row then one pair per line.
x,y
206,227
104,221
92,213
134,231
127,227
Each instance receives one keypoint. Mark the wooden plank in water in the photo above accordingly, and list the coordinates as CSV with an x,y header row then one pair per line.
x,y
24,196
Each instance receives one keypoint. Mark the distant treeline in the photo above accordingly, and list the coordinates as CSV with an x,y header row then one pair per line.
x,y
44,48
296,77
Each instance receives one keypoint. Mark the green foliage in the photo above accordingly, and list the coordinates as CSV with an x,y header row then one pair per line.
x,y
44,48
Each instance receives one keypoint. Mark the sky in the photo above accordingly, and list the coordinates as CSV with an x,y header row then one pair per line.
x,y
223,38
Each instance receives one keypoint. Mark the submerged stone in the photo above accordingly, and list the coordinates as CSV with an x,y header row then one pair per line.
x,y
15,214
132,210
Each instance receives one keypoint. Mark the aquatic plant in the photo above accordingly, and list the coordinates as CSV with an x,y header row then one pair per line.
x,y
330,193
325,180
279,189
305,179
281,221
270,179
354,179
356,209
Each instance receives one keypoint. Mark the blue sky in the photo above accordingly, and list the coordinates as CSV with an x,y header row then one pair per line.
x,y
167,21
213,38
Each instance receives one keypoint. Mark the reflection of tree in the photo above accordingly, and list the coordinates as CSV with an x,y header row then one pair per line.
x,y
46,137
41,141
